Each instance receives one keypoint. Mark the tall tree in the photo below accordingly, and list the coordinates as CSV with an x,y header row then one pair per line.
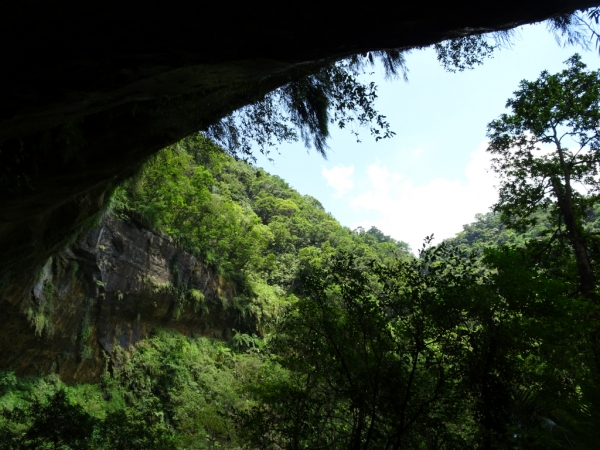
x,y
547,155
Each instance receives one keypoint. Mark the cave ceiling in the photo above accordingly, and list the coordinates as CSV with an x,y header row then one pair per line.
x,y
91,89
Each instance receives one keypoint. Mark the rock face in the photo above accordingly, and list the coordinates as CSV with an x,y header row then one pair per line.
x,y
105,293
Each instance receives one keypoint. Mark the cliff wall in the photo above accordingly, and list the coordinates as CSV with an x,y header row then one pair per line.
x,y
103,294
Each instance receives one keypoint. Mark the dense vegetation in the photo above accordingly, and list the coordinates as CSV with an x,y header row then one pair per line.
x,y
250,226
260,235
488,340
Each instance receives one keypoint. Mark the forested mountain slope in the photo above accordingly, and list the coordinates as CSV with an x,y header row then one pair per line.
x,y
264,224
489,230
197,242
222,309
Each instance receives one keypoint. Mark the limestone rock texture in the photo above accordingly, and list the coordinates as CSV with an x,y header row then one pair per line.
x,y
91,89
102,295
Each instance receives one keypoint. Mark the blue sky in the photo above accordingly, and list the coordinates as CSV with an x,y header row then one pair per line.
x,y
432,176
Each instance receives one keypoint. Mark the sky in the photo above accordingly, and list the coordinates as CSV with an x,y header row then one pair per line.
x,y
432,177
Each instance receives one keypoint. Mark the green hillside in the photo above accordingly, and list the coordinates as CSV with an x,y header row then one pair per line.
x,y
260,235
252,227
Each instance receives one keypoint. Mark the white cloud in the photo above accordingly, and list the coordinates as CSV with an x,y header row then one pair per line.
x,y
339,178
409,212
416,152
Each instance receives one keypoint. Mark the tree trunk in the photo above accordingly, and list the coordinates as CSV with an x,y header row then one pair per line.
x,y
564,196
587,282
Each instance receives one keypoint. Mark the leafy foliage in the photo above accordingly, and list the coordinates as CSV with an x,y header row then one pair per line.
x,y
578,28
333,94
538,169
464,52
251,226
44,414
436,350
172,392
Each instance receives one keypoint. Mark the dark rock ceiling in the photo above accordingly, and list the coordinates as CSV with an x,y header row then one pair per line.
x,y
90,89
